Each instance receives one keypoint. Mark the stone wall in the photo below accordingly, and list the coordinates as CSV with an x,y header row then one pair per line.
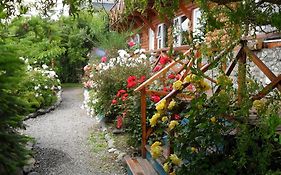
x,y
272,59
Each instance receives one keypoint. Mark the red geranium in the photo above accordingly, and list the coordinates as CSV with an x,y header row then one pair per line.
x,y
155,98
165,89
164,59
119,122
157,68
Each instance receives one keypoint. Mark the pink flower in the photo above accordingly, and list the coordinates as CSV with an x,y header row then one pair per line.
x,y
171,76
131,43
103,59
164,59
155,98
157,68
113,102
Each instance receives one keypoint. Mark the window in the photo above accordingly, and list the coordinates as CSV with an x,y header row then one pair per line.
x,y
151,37
161,36
180,25
137,39
196,22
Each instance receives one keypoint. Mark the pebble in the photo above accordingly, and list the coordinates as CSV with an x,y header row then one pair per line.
x,y
111,150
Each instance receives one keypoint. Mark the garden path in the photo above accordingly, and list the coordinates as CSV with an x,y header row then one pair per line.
x,y
62,145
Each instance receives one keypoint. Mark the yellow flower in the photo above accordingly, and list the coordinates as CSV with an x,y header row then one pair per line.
x,y
166,167
171,105
165,118
178,85
172,124
173,173
175,160
204,85
188,78
193,150
213,119
156,149
154,118
258,104
161,106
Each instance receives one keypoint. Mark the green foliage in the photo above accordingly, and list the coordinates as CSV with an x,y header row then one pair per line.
x,y
12,151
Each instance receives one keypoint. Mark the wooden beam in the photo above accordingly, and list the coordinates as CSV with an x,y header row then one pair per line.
x,y
242,72
151,79
261,66
187,12
149,24
267,89
143,122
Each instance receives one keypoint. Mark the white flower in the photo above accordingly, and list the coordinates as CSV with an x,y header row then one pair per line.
x,y
143,56
122,53
36,88
136,51
59,87
26,60
44,66
142,50
46,87
29,68
35,69
21,58
52,74
36,95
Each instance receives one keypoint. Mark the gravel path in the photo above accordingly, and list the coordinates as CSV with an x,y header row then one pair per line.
x,y
62,146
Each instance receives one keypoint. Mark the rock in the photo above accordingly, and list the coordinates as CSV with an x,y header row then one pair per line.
x,y
120,157
107,137
30,165
117,152
117,131
33,173
29,145
111,150
111,143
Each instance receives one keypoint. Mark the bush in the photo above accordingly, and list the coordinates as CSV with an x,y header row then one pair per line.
x,y
12,151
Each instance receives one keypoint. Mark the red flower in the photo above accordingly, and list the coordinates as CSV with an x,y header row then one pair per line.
x,y
103,59
157,68
178,76
131,81
124,97
113,102
171,76
165,89
177,116
155,98
131,43
142,79
120,92
164,59
119,122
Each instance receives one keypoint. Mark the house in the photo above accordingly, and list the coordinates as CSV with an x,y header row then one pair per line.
x,y
152,32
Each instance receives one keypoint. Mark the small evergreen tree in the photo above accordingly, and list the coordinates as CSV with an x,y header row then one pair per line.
x,y
12,144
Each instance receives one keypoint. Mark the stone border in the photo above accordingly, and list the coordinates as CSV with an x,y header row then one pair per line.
x,y
47,110
110,144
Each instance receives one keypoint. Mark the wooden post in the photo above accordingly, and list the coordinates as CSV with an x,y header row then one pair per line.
x,y
241,75
143,121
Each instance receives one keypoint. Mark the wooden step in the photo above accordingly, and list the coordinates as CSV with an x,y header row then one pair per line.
x,y
139,166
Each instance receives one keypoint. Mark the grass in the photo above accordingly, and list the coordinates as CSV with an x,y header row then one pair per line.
x,y
71,85
97,142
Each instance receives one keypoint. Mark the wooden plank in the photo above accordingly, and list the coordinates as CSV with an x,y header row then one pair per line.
x,y
149,24
134,166
147,167
261,66
155,76
267,89
143,121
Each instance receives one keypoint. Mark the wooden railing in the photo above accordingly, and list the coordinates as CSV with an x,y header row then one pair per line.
x,y
241,53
